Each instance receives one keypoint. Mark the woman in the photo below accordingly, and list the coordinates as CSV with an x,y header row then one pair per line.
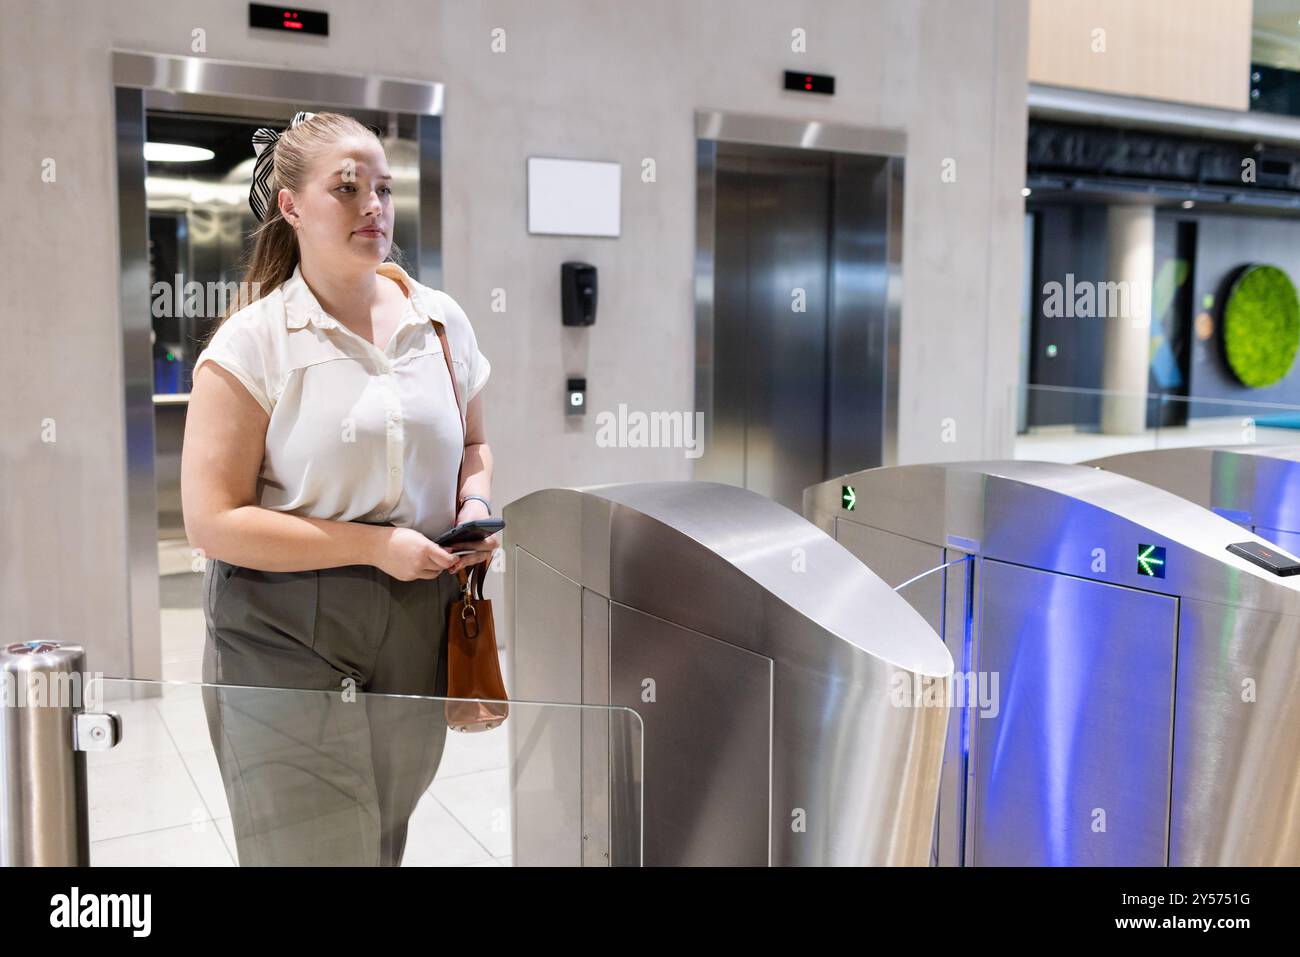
x,y
323,450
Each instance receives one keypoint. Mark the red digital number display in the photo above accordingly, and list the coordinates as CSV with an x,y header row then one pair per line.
x,y
266,17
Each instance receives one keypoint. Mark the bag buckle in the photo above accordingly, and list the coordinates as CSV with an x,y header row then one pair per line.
x,y
469,620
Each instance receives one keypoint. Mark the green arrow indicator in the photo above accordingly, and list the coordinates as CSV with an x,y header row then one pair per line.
x,y
848,497
1151,561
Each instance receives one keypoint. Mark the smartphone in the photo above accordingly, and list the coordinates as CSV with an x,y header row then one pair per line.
x,y
1267,558
474,531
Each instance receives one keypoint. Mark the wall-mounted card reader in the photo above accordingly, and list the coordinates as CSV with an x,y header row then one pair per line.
x,y
1266,557
578,294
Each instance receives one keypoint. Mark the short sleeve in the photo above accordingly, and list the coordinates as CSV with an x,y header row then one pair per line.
x,y
479,371
236,349
464,344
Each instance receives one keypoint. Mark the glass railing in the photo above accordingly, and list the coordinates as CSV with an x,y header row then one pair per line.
x,y
1061,424
224,775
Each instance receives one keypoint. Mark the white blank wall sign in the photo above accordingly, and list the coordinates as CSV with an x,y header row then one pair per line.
x,y
573,197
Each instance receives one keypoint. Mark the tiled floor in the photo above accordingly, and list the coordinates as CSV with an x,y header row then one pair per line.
x,y
157,797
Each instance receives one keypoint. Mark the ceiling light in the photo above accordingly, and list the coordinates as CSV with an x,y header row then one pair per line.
x,y
175,153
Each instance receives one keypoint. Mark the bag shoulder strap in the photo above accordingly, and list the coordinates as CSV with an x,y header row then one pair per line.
x,y
471,581
451,374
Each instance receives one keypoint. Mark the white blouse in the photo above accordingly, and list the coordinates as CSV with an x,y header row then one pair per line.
x,y
356,433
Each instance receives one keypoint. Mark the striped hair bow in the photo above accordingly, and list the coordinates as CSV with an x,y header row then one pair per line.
x,y
264,140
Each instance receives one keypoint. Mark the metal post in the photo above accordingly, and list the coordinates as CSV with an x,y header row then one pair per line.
x,y
44,816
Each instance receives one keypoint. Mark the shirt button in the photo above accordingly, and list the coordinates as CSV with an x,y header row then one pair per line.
x,y
397,471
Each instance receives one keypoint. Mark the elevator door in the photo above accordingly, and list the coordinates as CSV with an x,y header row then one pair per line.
x,y
799,318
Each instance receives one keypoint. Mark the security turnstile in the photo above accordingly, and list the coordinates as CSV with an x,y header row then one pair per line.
x,y
1256,486
1147,705
784,688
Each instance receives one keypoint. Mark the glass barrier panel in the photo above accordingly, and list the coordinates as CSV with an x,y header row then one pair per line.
x,y
1061,424
941,594
1199,421
228,775
944,595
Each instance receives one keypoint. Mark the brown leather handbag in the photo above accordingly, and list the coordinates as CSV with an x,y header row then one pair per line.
x,y
473,668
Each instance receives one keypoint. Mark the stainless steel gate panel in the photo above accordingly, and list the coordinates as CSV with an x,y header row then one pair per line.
x,y
1186,473
707,710
794,654
941,598
1275,489
954,829
1237,738
901,560
1234,766
1074,766
1257,486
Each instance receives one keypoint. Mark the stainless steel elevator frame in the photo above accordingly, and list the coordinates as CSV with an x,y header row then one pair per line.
x,y
715,126
145,81
1256,486
767,664
1143,720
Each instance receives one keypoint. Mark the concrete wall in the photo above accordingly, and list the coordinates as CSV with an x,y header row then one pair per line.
x,y
1190,51
615,81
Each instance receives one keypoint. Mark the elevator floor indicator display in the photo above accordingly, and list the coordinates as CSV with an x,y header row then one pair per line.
x,y
1151,561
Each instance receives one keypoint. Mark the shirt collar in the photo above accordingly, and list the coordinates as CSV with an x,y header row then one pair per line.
x,y
302,307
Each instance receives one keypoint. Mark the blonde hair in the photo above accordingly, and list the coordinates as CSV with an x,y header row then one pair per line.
x,y
275,245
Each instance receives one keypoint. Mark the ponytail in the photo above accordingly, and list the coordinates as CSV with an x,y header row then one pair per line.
x,y
275,244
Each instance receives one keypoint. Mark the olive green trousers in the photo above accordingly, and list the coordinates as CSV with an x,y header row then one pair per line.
x,y
321,764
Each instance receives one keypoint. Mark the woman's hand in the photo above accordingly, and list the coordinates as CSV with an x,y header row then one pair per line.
x,y
407,555
480,551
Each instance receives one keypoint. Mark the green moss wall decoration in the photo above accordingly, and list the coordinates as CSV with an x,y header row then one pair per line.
x,y
1261,326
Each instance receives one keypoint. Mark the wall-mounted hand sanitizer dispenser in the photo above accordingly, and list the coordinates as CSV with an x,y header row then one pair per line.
x,y
578,294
